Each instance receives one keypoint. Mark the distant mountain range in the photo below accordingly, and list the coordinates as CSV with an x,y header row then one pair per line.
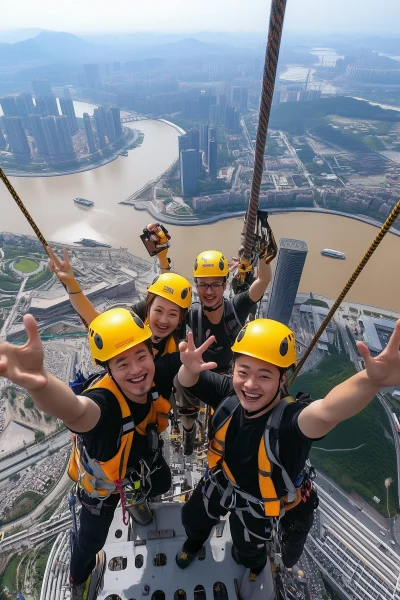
x,y
52,46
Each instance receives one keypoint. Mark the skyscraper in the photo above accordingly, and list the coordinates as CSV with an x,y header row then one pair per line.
x,y
212,158
99,119
110,128
51,135
289,265
204,141
22,111
232,119
92,76
244,99
64,135
16,135
38,134
51,103
41,106
89,133
67,109
28,100
188,168
41,87
67,92
9,106
3,142
204,106
116,113
183,142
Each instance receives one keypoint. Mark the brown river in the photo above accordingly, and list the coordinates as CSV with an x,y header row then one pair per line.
x,y
49,199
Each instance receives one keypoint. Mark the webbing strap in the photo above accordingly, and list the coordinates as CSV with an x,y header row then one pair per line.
x,y
273,423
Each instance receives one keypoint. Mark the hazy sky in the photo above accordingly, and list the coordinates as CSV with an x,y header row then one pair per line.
x,y
347,16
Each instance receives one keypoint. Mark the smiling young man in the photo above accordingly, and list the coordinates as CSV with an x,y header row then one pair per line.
x,y
261,440
116,420
218,317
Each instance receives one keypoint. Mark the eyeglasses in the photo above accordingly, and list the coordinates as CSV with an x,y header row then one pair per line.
x,y
213,286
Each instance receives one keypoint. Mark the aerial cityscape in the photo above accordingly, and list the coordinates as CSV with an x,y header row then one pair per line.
x,y
105,129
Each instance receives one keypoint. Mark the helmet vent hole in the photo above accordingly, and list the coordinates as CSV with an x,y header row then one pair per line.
x,y
241,335
138,321
184,293
155,279
98,341
221,264
284,347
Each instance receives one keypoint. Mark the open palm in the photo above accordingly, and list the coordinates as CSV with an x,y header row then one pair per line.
x,y
384,369
192,357
23,365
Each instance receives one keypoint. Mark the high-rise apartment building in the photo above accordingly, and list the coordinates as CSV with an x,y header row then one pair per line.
x,y
64,135
38,134
3,142
41,87
67,109
116,113
67,92
100,123
212,158
89,133
188,167
9,106
16,135
51,135
110,127
289,265
204,141
92,76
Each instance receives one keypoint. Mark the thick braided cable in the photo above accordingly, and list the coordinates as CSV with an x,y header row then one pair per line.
x,y
378,238
22,208
277,15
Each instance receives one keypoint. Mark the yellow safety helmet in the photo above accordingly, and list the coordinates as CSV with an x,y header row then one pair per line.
x,y
210,263
267,340
115,331
172,287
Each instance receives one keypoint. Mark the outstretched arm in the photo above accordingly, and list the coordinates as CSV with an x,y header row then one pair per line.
x,y
353,395
23,365
65,273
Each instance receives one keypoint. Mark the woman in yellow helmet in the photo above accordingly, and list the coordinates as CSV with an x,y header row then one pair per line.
x,y
164,310
261,438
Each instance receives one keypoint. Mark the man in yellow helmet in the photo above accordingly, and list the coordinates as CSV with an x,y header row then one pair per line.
x,y
116,423
261,440
217,316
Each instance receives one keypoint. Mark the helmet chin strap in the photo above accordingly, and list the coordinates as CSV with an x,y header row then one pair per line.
x,y
212,309
253,413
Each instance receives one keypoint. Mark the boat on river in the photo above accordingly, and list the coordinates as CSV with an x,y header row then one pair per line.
x,y
84,202
333,253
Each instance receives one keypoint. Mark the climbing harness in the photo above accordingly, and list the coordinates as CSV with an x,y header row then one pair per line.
x,y
230,320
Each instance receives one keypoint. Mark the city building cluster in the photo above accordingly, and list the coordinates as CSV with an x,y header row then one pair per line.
x,y
33,128
198,150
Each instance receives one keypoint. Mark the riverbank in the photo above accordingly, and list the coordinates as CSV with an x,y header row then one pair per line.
x,y
170,220
128,143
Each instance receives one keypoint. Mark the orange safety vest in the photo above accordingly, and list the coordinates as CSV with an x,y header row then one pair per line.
x,y
216,452
98,478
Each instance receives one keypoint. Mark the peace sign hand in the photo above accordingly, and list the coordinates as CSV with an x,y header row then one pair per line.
x,y
192,357
62,268
384,369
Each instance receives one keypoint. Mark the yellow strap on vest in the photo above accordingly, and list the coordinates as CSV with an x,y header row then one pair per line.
x,y
272,504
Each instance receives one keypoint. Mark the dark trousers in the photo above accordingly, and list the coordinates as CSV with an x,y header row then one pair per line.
x,y
198,525
94,529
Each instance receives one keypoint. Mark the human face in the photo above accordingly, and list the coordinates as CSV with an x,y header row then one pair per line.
x,y
164,318
133,371
256,382
211,297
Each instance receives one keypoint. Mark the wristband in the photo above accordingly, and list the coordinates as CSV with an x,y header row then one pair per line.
x,y
71,293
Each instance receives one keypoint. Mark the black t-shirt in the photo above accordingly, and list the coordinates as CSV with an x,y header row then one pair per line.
x,y
220,352
102,441
244,436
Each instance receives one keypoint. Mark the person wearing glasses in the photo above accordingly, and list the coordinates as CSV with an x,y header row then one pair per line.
x,y
218,316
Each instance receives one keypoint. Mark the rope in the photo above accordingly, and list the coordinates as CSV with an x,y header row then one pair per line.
x,y
378,238
22,208
30,220
277,15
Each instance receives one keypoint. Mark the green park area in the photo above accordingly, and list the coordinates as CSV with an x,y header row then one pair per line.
x,y
22,506
371,457
25,265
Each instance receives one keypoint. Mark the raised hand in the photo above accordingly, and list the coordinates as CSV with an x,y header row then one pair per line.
x,y
63,269
23,365
384,369
192,357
